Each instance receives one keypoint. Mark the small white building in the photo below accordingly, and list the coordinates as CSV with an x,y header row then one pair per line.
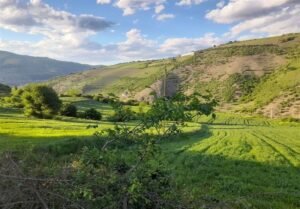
x,y
188,54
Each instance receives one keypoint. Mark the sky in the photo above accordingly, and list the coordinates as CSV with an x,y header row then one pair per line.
x,y
114,31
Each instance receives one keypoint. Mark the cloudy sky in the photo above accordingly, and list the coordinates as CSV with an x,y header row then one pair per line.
x,y
113,31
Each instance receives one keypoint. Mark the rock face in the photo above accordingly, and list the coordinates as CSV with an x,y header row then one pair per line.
x,y
168,86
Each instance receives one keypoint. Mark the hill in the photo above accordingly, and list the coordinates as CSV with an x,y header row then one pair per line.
x,y
19,69
239,74
4,90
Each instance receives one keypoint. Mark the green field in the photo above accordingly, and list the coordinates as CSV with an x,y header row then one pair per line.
x,y
233,162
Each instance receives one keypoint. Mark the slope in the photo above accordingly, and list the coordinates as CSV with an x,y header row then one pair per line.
x,y
236,73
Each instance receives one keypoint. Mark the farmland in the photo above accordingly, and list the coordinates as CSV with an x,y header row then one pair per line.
x,y
236,161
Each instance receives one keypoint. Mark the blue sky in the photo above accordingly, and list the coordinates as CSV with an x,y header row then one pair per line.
x,y
113,31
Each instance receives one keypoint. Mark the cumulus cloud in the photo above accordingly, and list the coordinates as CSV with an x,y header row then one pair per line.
x,y
258,16
162,17
189,2
61,32
178,46
159,8
136,46
103,1
284,21
36,17
237,10
130,7
66,36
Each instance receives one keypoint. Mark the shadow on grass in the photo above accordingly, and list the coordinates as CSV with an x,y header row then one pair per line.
x,y
215,181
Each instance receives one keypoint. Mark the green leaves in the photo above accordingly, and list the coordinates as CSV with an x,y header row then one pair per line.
x,y
40,101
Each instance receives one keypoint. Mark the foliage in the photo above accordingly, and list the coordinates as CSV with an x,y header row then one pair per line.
x,y
15,100
245,83
40,101
105,178
4,90
121,112
68,110
92,114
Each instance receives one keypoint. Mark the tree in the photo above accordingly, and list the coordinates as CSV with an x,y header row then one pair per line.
x,y
92,114
40,101
15,100
69,110
121,112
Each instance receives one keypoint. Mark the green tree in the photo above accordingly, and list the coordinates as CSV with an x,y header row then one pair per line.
x,y
69,110
92,114
40,101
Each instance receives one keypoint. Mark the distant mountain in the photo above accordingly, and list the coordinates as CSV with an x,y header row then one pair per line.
x,y
20,69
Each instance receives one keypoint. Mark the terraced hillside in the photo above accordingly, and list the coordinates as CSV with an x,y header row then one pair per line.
x,y
127,78
235,73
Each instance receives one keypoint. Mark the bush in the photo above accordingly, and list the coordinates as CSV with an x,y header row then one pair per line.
x,y
92,114
121,113
69,110
40,101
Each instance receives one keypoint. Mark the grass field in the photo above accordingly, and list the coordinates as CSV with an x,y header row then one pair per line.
x,y
235,160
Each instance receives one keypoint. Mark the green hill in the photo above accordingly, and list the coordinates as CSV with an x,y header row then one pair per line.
x,y
19,69
4,90
243,76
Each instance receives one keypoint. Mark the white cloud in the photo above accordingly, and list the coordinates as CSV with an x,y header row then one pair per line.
x,y
129,7
136,46
103,1
257,17
237,10
162,17
220,4
178,46
285,21
189,2
35,17
159,8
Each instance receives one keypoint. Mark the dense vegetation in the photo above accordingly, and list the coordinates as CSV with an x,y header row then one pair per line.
x,y
102,176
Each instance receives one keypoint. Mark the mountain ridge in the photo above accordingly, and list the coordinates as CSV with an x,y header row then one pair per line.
x,y
16,69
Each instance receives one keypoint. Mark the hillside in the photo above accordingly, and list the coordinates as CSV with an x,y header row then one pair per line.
x,y
4,90
238,73
19,69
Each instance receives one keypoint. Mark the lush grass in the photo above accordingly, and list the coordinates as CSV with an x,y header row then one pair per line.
x,y
17,131
245,161
241,161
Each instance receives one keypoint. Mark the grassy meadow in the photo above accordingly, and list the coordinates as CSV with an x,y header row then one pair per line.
x,y
233,161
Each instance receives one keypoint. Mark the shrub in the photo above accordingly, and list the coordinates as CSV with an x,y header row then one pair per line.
x,y
121,113
92,114
40,101
69,110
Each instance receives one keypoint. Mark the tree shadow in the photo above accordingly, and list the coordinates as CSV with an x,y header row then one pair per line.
x,y
217,181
